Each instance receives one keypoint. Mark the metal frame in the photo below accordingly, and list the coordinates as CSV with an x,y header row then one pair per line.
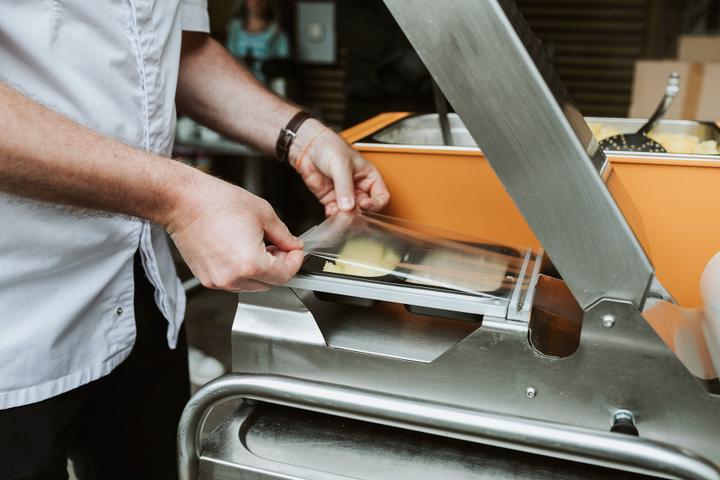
x,y
494,73
516,308
558,441
423,297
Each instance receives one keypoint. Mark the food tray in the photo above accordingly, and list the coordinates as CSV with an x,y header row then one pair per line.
x,y
313,265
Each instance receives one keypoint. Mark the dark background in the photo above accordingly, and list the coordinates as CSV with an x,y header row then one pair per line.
x,y
593,44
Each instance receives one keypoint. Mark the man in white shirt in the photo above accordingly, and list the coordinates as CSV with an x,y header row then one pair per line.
x,y
89,299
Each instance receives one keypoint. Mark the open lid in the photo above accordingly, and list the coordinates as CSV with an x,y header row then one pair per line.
x,y
390,250
497,78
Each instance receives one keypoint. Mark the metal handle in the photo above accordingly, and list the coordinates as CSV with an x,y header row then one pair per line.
x,y
671,90
515,433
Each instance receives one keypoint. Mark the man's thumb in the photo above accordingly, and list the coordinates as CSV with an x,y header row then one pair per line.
x,y
278,234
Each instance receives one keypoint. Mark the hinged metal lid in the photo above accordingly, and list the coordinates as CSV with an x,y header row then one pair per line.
x,y
494,73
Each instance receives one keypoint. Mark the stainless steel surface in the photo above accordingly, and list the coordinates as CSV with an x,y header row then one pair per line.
x,y
494,73
407,294
271,441
671,90
419,131
624,367
506,431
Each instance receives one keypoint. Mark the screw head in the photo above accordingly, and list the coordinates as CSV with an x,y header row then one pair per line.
x,y
119,311
625,415
608,320
530,392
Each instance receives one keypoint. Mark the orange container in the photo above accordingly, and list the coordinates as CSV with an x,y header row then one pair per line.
x,y
672,204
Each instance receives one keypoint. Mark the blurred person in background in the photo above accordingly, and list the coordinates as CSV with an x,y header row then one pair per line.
x,y
255,37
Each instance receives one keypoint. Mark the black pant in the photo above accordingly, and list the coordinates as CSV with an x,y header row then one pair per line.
x,y
121,426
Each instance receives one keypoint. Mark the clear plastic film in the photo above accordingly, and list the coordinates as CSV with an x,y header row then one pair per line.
x,y
391,250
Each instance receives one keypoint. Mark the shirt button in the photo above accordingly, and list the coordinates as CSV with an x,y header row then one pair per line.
x,y
119,311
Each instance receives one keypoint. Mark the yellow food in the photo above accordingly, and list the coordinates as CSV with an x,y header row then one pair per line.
x,y
708,147
672,142
364,257
602,131
479,273
676,142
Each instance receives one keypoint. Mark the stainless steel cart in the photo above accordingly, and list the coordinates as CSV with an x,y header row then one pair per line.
x,y
334,391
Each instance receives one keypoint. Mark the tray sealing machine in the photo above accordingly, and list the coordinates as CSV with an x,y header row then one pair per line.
x,y
334,391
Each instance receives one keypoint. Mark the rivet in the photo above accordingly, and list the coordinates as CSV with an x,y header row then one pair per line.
x,y
119,311
530,392
608,320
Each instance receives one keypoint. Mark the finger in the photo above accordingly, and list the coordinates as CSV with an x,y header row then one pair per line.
x,y
342,176
279,267
379,193
278,234
318,183
328,198
361,197
331,209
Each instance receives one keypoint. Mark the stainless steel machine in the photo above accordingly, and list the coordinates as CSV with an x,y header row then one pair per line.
x,y
557,378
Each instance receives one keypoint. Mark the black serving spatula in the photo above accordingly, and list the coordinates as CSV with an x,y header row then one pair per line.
x,y
639,141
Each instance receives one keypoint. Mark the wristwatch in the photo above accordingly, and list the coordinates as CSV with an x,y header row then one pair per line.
x,y
288,134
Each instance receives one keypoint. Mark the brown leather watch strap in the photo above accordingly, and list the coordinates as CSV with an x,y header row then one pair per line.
x,y
287,135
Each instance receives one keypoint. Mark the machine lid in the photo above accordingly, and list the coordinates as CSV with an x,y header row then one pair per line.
x,y
496,76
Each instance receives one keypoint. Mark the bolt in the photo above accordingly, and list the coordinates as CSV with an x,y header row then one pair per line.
x,y
119,311
608,320
624,415
530,392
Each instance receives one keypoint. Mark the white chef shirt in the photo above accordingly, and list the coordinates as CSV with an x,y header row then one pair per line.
x,y
66,274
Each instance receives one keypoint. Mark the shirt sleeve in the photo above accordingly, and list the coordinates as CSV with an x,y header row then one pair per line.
x,y
194,16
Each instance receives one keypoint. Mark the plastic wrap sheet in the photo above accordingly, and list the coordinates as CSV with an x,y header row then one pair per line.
x,y
391,250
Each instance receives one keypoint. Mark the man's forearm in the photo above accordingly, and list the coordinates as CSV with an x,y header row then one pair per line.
x,y
214,89
45,156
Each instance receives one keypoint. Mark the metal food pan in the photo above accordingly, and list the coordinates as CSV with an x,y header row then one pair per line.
x,y
424,130
703,130
313,265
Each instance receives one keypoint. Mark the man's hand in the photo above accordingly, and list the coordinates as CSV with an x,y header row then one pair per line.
x,y
219,230
336,173
218,92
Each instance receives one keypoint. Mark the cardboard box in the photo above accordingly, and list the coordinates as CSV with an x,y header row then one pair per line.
x,y
699,96
699,48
